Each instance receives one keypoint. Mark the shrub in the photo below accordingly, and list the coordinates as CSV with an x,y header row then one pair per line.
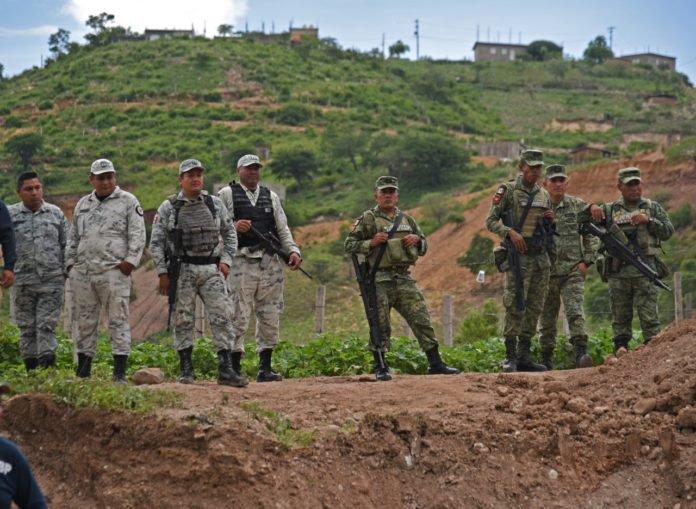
x,y
479,323
45,105
682,216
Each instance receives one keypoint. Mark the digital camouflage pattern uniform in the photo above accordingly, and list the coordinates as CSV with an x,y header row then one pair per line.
x,y
535,263
39,283
395,286
256,278
566,283
205,280
104,234
627,286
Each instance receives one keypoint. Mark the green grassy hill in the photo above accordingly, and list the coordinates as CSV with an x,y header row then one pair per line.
x,y
334,119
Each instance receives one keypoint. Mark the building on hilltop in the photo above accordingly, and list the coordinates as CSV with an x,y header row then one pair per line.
x,y
498,52
306,32
590,153
652,59
153,34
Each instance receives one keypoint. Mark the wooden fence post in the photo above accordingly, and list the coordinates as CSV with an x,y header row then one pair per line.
x,y
319,309
447,319
678,307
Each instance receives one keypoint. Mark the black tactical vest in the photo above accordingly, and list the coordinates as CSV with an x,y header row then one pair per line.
x,y
197,222
261,215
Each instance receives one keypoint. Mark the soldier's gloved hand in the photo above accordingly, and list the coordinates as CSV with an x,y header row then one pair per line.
x,y
7,279
295,261
125,267
597,213
517,241
164,284
243,225
640,219
225,269
410,240
379,238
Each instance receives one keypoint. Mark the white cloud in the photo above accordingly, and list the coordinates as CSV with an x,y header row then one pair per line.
x,y
28,32
141,14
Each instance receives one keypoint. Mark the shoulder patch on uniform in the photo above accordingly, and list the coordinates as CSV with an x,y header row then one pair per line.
x,y
499,195
139,211
156,219
356,223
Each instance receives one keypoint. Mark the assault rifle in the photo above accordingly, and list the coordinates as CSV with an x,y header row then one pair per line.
x,y
174,270
618,249
368,292
514,261
272,245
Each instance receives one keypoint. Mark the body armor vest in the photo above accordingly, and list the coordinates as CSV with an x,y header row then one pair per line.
x,y
199,230
395,255
636,234
261,214
520,199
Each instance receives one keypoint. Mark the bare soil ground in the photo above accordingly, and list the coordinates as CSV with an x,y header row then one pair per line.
x,y
620,435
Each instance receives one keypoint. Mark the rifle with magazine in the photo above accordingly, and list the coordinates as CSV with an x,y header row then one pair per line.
x,y
272,245
174,259
613,245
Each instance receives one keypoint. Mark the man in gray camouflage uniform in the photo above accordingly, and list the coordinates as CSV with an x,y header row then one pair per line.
x,y
105,245
187,228
256,279
42,233
574,254
513,198
394,285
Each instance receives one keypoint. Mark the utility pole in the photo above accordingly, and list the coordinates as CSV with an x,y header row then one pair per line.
x,y
611,36
384,55
417,34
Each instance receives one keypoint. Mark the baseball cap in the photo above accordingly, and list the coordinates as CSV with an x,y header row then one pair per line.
x,y
628,174
532,157
555,170
249,160
188,165
102,166
386,181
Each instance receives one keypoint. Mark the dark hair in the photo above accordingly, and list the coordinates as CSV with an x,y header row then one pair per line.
x,y
27,175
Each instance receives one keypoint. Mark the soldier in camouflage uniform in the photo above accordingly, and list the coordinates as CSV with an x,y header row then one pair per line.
x,y
574,254
42,234
514,196
104,246
9,248
645,225
395,286
188,227
256,278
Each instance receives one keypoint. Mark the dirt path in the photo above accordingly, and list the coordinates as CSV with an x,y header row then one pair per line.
x,y
620,435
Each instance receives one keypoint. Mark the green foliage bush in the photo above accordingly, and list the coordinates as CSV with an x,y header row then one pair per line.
x,y
479,323
682,216
479,256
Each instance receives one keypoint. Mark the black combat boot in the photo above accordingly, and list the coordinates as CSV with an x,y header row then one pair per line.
x,y
84,365
524,363
186,365
547,359
582,359
510,362
436,364
47,360
266,373
236,362
227,375
381,373
31,363
621,341
120,363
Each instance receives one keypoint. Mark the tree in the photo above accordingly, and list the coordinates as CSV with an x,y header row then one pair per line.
x,y
478,256
397,49
102,34
225,30
59,43
544,50
2,70
25,146
598,51
298,163
345,143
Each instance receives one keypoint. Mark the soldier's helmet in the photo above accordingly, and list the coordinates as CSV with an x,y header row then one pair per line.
x,y
533,157
626,175
386,181
555,170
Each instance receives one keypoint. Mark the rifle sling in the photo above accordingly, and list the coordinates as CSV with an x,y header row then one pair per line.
x,y
383,247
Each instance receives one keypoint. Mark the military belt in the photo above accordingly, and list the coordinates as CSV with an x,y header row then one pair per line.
x,y
201,260
534,250
397,270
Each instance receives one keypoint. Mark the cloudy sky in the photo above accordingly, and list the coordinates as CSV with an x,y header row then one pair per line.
x,y
448,28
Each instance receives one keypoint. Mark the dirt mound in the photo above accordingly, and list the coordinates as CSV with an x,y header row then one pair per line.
x,y
619,435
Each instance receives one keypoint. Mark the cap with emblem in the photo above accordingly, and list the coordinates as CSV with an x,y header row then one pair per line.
x,y
102,166
386,181
628,174
249,160
532,157
190,164
554,171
